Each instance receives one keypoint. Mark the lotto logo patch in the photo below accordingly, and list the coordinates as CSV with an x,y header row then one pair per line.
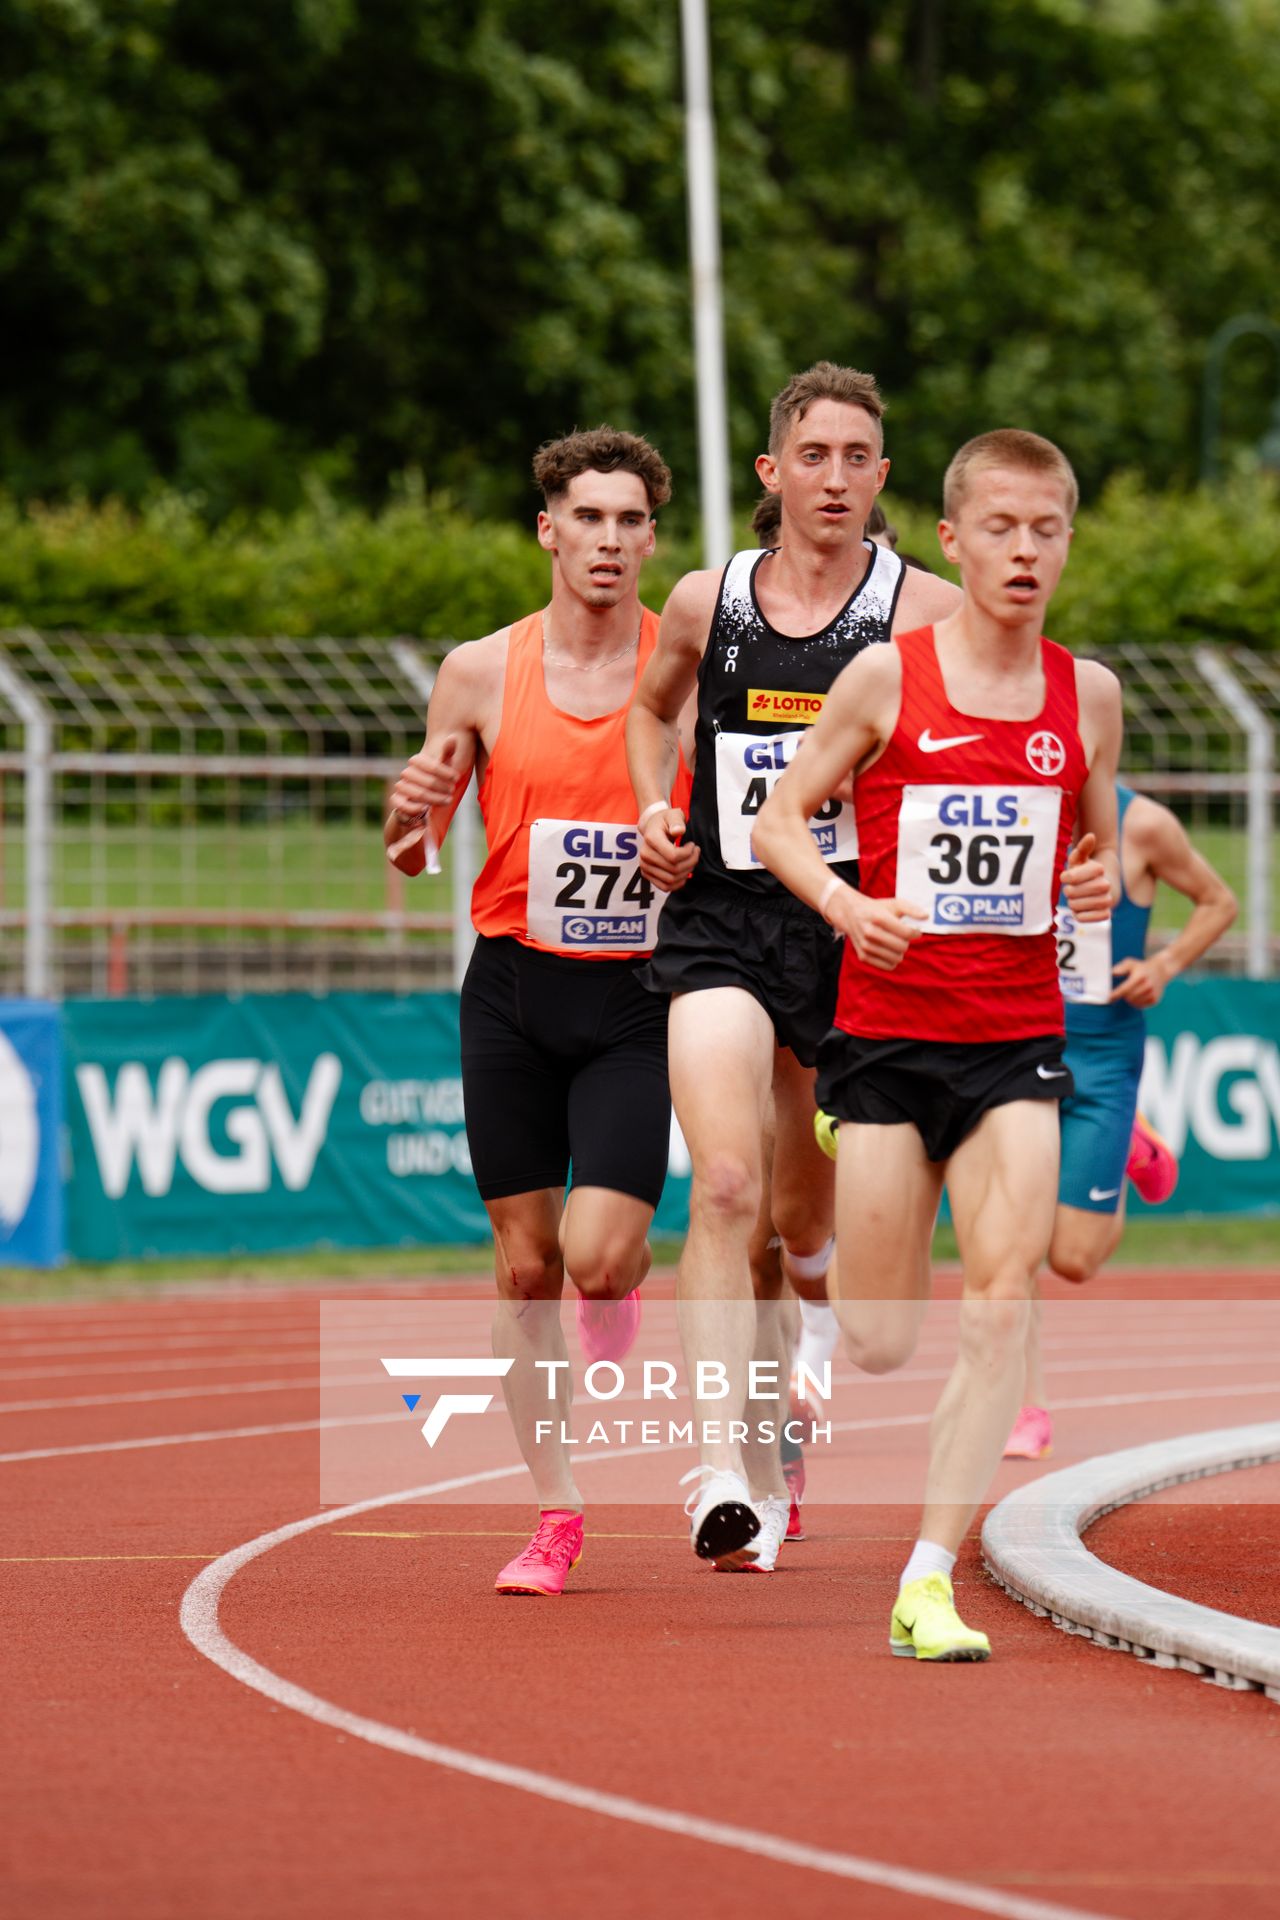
x,y
979,909
602,930
767,703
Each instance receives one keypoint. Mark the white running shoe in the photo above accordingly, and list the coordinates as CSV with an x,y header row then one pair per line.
x,y
774,1512
722,1521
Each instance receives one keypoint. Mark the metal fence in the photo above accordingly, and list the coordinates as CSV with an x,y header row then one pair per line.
x,y
204,816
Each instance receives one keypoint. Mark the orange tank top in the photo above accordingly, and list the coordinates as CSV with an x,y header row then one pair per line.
x,y
561,871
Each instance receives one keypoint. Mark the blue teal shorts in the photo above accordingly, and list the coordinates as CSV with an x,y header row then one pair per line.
x,y
1097,1119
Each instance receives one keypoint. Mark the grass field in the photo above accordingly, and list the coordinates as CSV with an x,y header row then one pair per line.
x,y
299,866
290,866
1174,1243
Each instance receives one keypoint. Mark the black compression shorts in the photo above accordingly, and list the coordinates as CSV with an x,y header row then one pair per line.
x,y
564,1063
777,949
940,1087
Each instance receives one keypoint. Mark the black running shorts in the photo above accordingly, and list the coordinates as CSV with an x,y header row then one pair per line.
x,y
564,1064
774,947
942,1088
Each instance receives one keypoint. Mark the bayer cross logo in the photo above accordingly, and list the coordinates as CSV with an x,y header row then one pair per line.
x,y
1046,753
448,1403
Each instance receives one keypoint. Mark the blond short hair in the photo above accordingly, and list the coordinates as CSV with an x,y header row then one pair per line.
x,y
1006,447
822,381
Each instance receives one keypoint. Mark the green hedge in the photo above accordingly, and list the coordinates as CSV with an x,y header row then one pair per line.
x,y
1146,568
1159,568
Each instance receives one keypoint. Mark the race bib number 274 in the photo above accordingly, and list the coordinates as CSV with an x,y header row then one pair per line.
x,y
586,890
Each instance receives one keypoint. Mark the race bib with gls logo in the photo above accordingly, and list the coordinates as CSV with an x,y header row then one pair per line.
x,y
748,768
979,859
586,890
1084,958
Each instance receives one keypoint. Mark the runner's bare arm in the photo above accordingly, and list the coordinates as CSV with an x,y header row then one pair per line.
x,y
859,716
1160,841
1091,881
653,727
923,599
433,782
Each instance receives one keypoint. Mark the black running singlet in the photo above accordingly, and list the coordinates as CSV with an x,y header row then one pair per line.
x,y
757,691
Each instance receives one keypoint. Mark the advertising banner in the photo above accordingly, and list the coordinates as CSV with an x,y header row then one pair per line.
x,y
275,1121
31,1221
281,1121
1211,1088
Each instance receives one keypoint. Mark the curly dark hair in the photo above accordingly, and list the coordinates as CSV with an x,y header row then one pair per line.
x,y
601,450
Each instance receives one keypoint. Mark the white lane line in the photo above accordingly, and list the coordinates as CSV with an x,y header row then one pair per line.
x,y
74,1401
203,1363
876,1425
1128,1316
200,1623
906,1377
197,1439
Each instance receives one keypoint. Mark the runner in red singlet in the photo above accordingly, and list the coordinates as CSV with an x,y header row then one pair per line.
x,y
976,745
563,1051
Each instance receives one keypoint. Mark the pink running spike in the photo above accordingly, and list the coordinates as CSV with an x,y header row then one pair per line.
x,y
1152,1164
607,1329
549,1558
793,1474
1032,1436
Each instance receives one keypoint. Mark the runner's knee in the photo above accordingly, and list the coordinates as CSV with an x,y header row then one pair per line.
x,y
993,1323
606,1274
1073,1261
884,1344
728,1189
532,1275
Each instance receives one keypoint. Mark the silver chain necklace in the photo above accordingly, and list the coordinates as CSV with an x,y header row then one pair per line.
x,y
579,666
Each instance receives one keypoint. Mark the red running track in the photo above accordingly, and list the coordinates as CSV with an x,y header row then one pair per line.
x,y
141,1780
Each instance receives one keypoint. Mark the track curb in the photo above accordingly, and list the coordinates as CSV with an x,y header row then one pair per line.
x,y
1031,1542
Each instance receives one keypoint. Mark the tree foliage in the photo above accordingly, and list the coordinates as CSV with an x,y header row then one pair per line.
x,y
267,239
1146,568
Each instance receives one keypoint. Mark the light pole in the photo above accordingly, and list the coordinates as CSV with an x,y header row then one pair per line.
x,y
1236,328
704,261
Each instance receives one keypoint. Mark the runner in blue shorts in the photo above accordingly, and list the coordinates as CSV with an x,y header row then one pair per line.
x,y
1107,983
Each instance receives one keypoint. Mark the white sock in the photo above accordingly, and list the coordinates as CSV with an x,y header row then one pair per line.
x,y
819,1335
926,1557
808,1266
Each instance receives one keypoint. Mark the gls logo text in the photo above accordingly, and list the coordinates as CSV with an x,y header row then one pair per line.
x,y
448,1403
153,1128
1194,1088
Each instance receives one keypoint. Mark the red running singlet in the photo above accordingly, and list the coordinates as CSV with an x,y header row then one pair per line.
x,y
971,818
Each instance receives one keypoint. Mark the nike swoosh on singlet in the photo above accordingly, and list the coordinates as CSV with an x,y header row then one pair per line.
x,y
1096,1193
1051,1073
927,743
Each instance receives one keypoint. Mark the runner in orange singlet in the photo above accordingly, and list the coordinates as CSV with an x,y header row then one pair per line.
x,y
976,746
563,1053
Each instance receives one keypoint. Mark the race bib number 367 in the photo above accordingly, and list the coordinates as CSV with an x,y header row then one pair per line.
x,y
979,859
748,768
586,890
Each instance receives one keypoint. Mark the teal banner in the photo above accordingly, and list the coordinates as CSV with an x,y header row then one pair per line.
x,y
210,1125
286,1121
1211,1088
